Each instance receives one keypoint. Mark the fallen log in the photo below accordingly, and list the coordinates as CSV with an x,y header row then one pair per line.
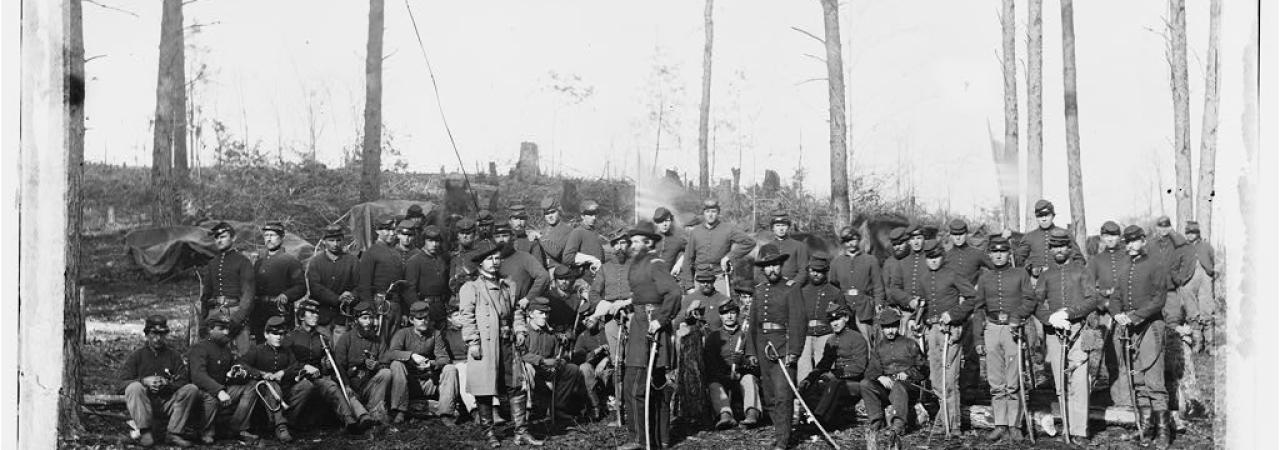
x,y
980,417
103,400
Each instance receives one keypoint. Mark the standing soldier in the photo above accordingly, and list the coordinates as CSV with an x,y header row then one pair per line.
x,y
944,313
906,286
1199,290
656,295
894,293
493,328
523,270
1170,250
584,246
1066,300
421,366
331,281
1138,304
1003,300
308,343
845,365
465,246
1033,251
357,354
227,285
380,267
714,242
817,296
274,365
211,362
428,273
279,280
671,247
858,276
156,375
1106,268
484,225
416,220
902,369
797,252
518,219
611,290
777,330
728,373
966,261
556,234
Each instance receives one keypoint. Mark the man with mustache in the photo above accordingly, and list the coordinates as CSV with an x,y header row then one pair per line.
x,y
331,281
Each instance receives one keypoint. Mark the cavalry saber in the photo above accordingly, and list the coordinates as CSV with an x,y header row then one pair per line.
x,y
1063,347
1022,391
619,364
1128,370
337,373
648,384
772,353
946,364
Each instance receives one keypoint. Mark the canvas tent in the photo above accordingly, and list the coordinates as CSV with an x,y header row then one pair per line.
x,y
362,217
164,250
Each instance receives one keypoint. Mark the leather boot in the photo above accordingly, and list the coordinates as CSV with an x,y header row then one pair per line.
x,y
519,418
1166,430
726,421
1144,414
997,434
1015,434
484,417
753,417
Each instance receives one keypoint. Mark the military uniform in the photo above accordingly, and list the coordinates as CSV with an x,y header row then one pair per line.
x,y
545,346
846,367
901,362
671,247
276,273
308,347
728,372
859,277
1140,297
265,359
793,269
777,324
943,315
592,354
584,244
227,288
1003,300
817,299
710,242
211,361
331,281
358,354
1065,296
520,237
1032,252
1197,294
656,298
435,377
428,276
149,402
554,237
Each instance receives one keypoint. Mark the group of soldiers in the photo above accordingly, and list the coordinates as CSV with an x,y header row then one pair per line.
x,y
641,325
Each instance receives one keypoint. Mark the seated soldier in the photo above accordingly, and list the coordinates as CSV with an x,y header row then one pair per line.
x,y
281,386
309,344
420,366
543,352
156,386
902,369
357,353
567,296
844,368
728,371
221,384
591,354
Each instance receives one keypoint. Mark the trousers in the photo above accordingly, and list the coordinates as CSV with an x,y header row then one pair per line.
x,y
296,396
213,410
1002,373
657,426
406,384
944,368
747,388
331,392
836,393
778,398
811,354
146,408
1074,377
899,397
1148,367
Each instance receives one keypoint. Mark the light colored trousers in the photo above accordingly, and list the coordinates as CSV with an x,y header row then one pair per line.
x,y
811,354
1077,378
1002,374
444,385
747,387
944,369
143,411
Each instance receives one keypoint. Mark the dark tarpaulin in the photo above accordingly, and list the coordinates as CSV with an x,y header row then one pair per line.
x,y
362,217
163,251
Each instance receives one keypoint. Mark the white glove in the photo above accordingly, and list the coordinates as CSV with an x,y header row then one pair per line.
x,y
1123,319
1059,320
946,317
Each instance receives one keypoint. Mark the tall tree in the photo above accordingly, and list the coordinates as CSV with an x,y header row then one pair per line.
x,y
371,171
704,118
73,315
1209,125
1009,157
835,92
1035,107
169,131
1181,108
1075,180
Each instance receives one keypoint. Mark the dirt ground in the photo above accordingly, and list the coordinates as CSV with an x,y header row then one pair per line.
x,y
120,297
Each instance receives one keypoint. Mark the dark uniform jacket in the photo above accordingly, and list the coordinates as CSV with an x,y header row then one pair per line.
x,y
380,266
848,357
540,344
707,245
328,279
721,349
943,290
582,240
461,269
1002,292
967,262
899,355
672,246
906,280
776,305
710,307
428,275
565,305
526,274
553,241
407,341
351,350
264,359
1142,290
816,297
1033,249
277,274
794,268
209,365
522,243
1068,286
229,274
1203,254
861,272
1172,252
586,343
651,284
307,349
1107,269
145,362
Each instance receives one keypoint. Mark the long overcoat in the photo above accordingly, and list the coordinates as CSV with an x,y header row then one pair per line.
x,y
486,307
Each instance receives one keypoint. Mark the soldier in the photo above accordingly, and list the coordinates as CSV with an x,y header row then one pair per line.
x,y
902,369
797,252
1198,292
713,242
278,279
817,295
484,225
428,273
648,353
584,246
966,261
895,294
858,276
611,291
357,354
556,234
1003,300
671,247
518,219
211,362
728,373
465,246
521,269
155,385
227,284
1033,251
705,297
308,343
943,298
493,328
545,350
568,297
416,220
1171,250
845,365
274,365
1137,306
592,355
906,288
421,366
331,281
777,329
380,267
1065,295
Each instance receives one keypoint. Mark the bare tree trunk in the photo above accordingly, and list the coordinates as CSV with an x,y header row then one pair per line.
x,y
704,117
1181,108
835,92
1075,180
73,315
371,173
1009,155
177,71
1035,109
169,130
1209,126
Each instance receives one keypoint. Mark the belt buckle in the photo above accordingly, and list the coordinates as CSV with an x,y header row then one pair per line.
x,y
1003,317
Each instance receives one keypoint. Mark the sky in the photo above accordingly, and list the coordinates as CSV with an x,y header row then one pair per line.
x,y
924,81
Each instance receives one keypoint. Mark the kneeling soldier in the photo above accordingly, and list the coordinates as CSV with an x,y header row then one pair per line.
x,y
544,353
155,375
308,345
844,365
281,388
901,372
420,365
728,371
358,352
222,385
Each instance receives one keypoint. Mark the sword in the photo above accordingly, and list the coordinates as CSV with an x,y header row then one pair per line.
x,y
768,349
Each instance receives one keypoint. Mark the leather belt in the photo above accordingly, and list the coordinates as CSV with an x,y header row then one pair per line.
x,y
226,302
1001,318
771,326
504,332
818,322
